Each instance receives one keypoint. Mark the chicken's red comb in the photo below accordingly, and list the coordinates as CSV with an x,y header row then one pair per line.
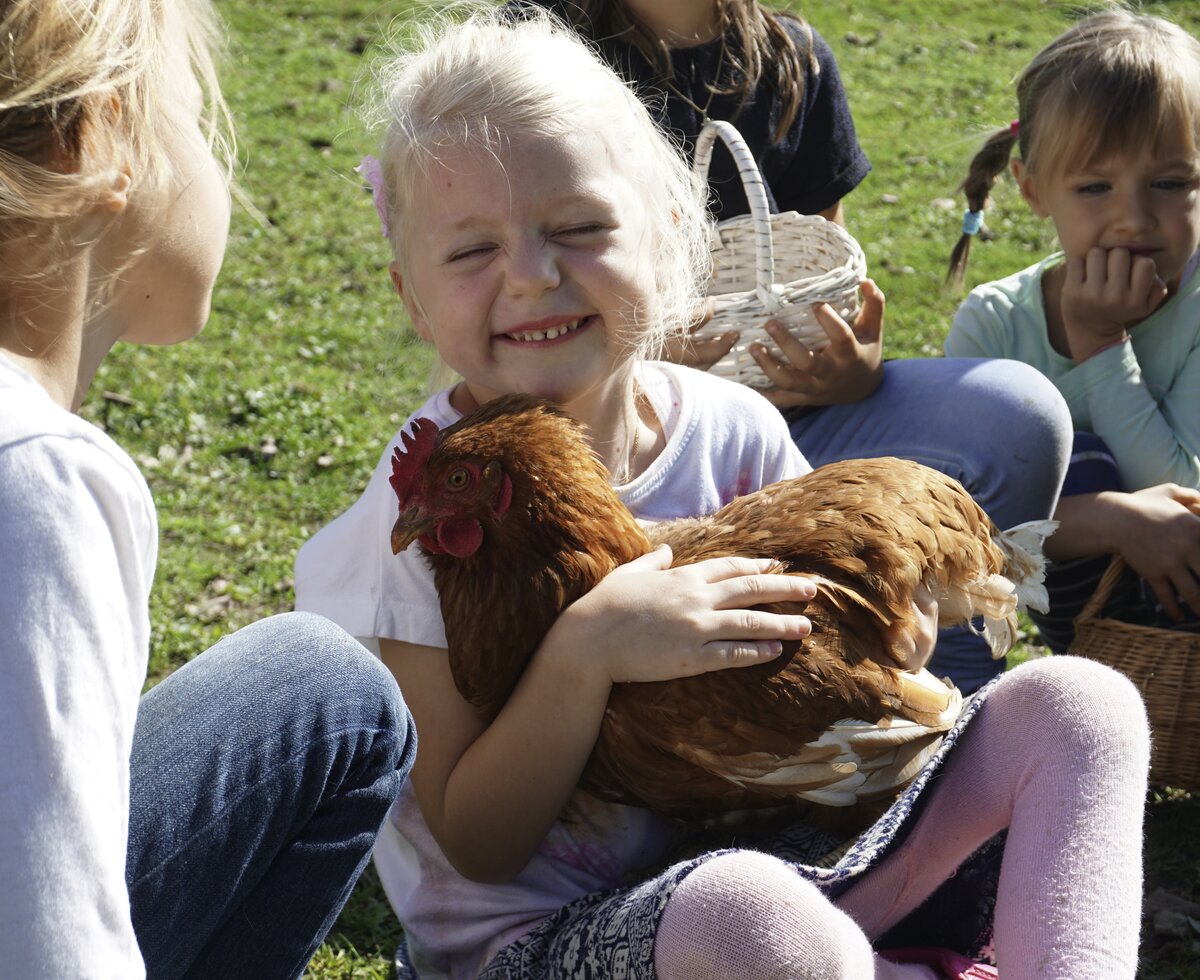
x,y
407,463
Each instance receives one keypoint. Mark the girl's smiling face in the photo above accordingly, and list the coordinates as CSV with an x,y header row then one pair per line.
x,y
529,269
1146,202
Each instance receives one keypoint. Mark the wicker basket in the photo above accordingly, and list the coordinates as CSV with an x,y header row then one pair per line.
x,y
1165,666
822,262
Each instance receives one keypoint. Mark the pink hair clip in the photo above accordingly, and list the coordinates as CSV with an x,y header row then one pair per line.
x,y
372,171
1015,127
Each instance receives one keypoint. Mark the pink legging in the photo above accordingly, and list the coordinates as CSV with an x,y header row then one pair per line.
x,y
1058,754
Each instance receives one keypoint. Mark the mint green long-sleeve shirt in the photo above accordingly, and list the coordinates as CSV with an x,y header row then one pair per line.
x,y
1141,397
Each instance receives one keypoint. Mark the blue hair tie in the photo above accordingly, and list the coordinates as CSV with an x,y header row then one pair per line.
x,y
972,222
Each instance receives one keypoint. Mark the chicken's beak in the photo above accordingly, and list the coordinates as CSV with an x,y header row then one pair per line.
x,y
408,527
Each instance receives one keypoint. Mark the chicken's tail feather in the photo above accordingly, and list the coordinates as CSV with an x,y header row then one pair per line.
x,y
1025,562
994,598
997,597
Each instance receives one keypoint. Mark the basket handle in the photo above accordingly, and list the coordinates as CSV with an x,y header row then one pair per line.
x,y
1107,583
756,195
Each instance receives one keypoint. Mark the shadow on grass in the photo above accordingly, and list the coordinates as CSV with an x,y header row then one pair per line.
x,y
1171,921
363,940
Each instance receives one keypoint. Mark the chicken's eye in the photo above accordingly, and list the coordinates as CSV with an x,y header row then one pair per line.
x,y
458,478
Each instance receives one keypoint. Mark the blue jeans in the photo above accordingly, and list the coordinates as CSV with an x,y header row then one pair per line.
x,y
998,427
261,772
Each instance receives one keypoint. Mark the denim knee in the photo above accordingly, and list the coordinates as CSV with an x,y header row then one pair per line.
x,y
318,662
292,669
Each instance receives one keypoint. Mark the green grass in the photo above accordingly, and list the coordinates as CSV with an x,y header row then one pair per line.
x,y
268,425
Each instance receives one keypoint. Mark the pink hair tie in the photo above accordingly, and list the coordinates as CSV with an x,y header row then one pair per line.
x,y
372,171
1015,127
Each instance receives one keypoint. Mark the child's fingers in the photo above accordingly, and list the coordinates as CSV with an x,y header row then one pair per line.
x,y
839,332
786,376
1187,583
656,560
1166,595
705,312
868,325
733,568
1114,268
911,644
748,636
723,654
1189,593
1076,271
699,353
743,591
1148,289
1188,497
795,352
1095,271
784,379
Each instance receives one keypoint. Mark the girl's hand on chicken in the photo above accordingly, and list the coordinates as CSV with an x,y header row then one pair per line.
x,y
1161,542
846,371
646,621
913,651
1104,293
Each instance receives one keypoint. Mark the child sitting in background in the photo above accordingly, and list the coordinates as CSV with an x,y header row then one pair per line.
x,y
546,236
214,827
1109,141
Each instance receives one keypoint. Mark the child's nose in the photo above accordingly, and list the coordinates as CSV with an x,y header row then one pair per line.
x,y
1136,215
531,268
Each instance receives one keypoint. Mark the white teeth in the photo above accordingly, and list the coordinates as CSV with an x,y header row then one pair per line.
x,y
533,335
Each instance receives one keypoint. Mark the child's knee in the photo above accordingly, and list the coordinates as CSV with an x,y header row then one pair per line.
x,y
1078,704
748,914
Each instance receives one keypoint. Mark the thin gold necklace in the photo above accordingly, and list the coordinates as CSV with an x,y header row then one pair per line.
x,y
630,469
669,82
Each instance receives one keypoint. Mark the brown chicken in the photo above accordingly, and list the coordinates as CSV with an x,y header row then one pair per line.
x,y
518,520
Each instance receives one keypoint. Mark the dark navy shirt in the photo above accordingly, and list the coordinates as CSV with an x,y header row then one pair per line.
x,y
816,164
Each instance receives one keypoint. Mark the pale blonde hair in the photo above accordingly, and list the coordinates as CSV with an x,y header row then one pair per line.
x,y
1114,80
80,84
482,78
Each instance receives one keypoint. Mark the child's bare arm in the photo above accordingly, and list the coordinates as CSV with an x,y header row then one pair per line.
x,y
489,801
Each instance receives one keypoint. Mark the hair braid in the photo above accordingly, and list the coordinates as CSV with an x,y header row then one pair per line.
x,y
986,167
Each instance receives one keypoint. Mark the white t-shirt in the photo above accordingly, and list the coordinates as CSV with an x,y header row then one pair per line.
x,y
722,440
78,544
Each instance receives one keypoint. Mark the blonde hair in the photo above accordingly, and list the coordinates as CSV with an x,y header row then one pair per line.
x,y
79,95
1114,80
483,78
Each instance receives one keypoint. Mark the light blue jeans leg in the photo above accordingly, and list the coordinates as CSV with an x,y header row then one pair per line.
x,y
261,773
999,427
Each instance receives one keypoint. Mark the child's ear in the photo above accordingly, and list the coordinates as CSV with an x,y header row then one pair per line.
x,y
114,197
1028,188
420,325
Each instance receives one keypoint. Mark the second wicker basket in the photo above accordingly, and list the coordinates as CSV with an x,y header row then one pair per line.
x,y
818,261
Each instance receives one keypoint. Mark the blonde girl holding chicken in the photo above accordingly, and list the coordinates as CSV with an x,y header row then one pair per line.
x,y
1109,150
546,236
213,827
